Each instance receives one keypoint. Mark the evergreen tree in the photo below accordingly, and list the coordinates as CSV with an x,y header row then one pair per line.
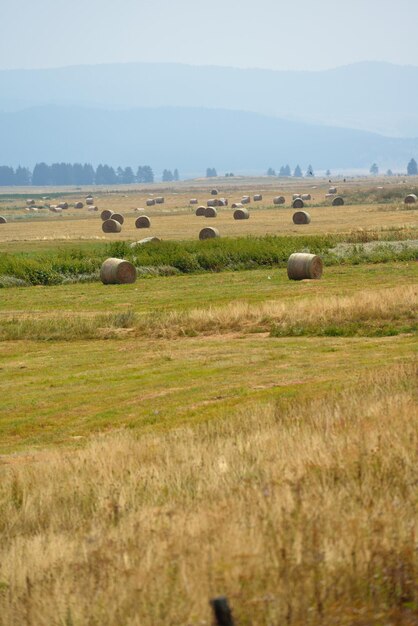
x,y
211,172
144,174
88,174
176,175
119,174
271,172
7,175
128,176
298,172
287,171
328,173
167,176
412,168
374,169
41,175
310,172
22,176
389,173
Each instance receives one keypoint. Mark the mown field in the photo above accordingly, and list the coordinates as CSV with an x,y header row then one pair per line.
x,y
213,428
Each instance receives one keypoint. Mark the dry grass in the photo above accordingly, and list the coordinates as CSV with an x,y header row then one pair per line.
x,y
303,512
384,311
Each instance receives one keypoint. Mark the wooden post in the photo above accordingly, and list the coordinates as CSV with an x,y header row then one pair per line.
x,y
222,611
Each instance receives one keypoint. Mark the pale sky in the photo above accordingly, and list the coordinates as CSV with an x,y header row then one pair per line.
x,y
274,34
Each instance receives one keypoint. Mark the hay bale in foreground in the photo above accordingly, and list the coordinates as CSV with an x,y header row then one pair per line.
x,y
210,211
222,202
3,220
298,203
411,198
142,222
212,202
241,214
303,265
118,217
257,197
301,217
236,205
159,200
245,199
332,190
200,211
338,201
279,200
78,205
209,233
106,214
111,226
117,272
150,202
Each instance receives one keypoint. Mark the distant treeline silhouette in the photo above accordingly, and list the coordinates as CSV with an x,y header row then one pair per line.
x,y
74,174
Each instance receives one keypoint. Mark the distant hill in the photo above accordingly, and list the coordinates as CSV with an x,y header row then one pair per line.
x,y
190,139
377,97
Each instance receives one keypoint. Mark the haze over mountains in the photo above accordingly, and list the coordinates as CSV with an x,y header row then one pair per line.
x,y
172,115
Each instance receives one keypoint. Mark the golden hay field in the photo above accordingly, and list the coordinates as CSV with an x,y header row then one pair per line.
x,y
193,435
175,219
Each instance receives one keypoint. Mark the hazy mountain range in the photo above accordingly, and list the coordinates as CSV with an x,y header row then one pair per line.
x,y
173,115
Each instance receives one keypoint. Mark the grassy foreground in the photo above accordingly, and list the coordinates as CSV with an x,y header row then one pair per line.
x,y
199,434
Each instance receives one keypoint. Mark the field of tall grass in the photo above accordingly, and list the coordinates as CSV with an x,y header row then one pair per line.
x,y
301,511
214,428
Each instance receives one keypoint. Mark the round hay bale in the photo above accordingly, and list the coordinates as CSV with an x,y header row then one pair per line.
x,y
3,220
150,202
241,214
63,205
30,202
279,200
193,201
245,200
159,200
78,205
214,192
338,201
257,197
142,222
209,233
212,203
89,200
236,205
139,210
298,203
296,195
117,272
118,217
106,214
332,190
306,196
200,211
144,241
111,226
301,217
222,202
303,265
411,198
210,211
56,209
93,208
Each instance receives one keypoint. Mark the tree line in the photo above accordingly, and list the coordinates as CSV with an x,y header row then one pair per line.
x,y
286,171
76,174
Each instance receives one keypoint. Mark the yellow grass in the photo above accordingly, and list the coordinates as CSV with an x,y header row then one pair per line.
x,y
302,512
